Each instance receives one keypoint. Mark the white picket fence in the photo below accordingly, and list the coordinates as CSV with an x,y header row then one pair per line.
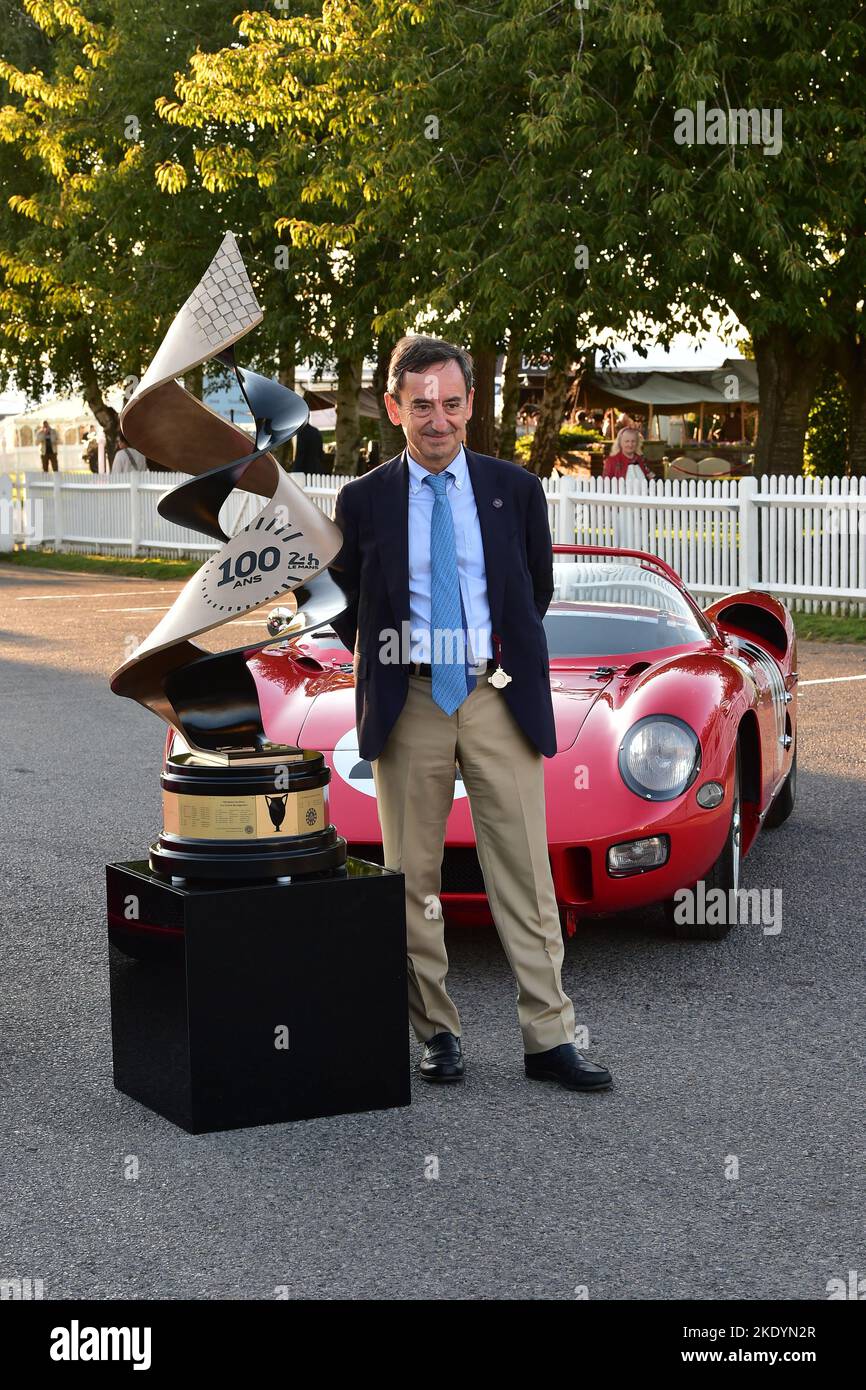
x,y
801,538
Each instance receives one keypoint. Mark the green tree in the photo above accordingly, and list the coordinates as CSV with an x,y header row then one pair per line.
x,y
366,119
827,437
772,232
347,146
93,261
285,111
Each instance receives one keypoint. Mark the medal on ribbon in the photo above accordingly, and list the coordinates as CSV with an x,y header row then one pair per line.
x,y
499,678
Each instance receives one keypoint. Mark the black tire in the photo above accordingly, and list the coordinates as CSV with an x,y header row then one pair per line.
x,y
785,797
724,874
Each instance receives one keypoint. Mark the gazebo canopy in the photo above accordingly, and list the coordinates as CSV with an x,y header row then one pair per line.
x,y
674,392
327,400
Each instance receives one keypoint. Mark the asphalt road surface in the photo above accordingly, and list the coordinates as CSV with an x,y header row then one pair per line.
x,y
740,1056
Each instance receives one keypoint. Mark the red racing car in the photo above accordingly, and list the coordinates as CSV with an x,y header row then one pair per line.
x,y
676,738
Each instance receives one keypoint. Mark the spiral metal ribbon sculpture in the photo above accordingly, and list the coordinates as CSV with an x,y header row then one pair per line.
x,y
210,698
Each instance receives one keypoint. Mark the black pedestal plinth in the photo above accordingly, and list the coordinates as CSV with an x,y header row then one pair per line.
x,y
250,1002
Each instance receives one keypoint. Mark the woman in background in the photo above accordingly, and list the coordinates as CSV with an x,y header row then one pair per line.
x,y
626,463
625,459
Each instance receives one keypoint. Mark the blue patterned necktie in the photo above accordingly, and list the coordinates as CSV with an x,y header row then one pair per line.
x,y
450,684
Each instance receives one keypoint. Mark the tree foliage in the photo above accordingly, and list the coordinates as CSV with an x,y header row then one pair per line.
x,y
511,174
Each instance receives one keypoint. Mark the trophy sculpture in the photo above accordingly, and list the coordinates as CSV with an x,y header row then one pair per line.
x,y
235,805
260,934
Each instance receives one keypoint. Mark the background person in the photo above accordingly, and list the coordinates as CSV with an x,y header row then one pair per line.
x,y
91,451
127,459
372,455
46,437
626,464
625,459
309,450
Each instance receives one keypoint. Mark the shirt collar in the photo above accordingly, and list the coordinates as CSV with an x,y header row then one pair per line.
x,y
417,473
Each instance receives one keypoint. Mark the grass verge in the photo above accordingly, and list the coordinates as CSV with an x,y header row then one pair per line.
x,y
829,627
143,568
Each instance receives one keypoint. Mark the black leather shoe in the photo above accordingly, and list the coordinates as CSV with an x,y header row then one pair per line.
x,y
443,1058
567,1066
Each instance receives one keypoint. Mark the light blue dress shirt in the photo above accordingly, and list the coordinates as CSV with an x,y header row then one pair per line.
x,y
470,559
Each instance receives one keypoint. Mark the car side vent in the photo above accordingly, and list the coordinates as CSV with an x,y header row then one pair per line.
x,y
748,617
636,668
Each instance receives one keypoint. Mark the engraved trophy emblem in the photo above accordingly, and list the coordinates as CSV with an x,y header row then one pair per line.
x,y
277,809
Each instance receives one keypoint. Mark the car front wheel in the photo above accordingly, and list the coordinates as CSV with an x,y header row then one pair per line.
x,y
724,875
785,797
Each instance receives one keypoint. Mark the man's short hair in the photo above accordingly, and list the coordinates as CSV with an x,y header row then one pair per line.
x,y
419,353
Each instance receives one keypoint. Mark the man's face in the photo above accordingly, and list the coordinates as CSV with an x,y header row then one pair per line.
x,y
433,409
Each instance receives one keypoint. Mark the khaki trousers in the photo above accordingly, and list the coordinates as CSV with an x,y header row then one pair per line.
x,y
504,777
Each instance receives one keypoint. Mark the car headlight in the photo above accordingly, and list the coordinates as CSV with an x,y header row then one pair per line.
x,y
659,757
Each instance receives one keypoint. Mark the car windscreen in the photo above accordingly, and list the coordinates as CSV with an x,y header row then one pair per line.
x,y
617,609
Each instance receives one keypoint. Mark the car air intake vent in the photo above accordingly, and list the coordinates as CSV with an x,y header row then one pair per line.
x,y
372,853
636,669
461,871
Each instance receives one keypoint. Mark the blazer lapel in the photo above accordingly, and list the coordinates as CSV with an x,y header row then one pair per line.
x,y
391,524
495,521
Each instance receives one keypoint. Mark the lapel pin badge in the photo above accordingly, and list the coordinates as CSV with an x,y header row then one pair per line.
x,y
497,501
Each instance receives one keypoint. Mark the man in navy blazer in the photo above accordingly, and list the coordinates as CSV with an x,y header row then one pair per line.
x,y
372,512
447,585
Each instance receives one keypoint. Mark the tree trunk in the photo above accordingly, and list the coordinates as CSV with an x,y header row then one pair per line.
x,y
850,357
546,439
506,435
481,429
583,366
104,414
286,377
348,430
788,379
286,365
392,440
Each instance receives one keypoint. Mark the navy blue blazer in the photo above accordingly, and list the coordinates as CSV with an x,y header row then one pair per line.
x,y
372,568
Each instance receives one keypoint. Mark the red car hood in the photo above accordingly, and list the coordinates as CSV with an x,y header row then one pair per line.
x,y
574,692
291,689
313,704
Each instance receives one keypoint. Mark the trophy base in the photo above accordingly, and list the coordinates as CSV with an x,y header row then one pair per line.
x,y
244,1010
301,856
244,815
